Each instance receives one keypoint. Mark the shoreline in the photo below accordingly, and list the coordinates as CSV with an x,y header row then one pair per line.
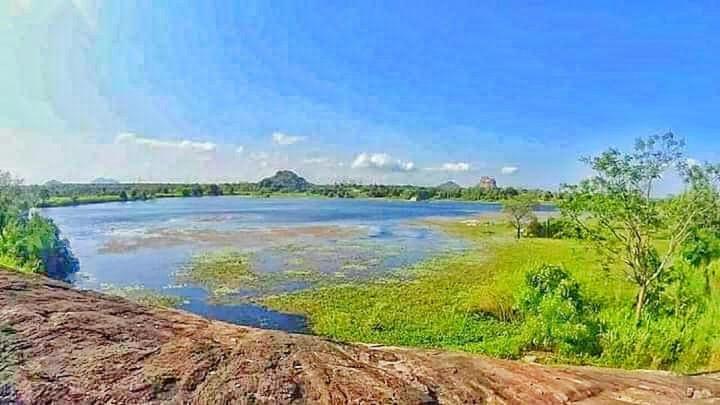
x,y
108,199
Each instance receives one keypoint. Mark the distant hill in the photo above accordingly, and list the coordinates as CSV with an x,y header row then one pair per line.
x,y
449,186
104,180
53,183
285,180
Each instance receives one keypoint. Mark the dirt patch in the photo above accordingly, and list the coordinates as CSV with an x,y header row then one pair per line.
x,y
83,347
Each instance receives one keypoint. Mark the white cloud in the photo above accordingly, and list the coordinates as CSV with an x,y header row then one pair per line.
x,y
692,162
509,170
381,161
284,139
259,156
240,150
451,167
317,161
129,138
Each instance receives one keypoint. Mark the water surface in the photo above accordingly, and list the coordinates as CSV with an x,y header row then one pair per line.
x,y
145,243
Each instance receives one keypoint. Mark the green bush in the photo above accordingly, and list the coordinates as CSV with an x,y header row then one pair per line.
x,y
34,245
556,317
683,344
556,228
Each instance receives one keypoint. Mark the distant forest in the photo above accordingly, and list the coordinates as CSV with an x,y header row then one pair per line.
x,y
61,194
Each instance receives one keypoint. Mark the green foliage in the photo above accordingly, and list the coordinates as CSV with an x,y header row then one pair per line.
x,y
219,273
34,245
687,343
618,212
484,301
520,212
555,228
702,247
556,316
54,194
466,301
29,242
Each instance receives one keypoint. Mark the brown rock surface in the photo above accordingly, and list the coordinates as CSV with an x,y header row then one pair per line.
x,y
60,345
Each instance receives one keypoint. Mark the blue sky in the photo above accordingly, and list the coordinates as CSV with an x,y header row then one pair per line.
x,y
398,92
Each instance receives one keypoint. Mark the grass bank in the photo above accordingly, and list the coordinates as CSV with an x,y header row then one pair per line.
x,y
468,302
53,202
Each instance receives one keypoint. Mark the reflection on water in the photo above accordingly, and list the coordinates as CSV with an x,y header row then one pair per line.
x,y
146,243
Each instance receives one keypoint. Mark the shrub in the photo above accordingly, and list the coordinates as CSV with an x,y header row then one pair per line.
x,y
680,343
556,317
34,245
495,305
557,228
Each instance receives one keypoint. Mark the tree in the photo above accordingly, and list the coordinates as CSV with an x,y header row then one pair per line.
x,y
44,194
520,212
214,190
12,200
617,211
29,242
702,247
196,190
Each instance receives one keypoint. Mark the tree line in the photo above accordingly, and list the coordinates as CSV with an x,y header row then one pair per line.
x,y
58,194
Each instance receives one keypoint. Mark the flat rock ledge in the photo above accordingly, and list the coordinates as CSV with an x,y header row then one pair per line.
x,y
60,345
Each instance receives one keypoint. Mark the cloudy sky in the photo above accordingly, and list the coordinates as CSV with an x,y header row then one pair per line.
x,y
398,92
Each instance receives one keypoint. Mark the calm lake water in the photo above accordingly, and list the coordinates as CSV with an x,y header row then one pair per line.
x,y
144,244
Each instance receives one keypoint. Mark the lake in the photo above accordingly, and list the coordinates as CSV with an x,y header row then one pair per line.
x,y
145,243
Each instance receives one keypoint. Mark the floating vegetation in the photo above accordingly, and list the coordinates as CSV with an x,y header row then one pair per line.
x,y
234,276
146,296
220,273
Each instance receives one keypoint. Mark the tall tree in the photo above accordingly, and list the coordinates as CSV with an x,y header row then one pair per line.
x,y
520,212
617,209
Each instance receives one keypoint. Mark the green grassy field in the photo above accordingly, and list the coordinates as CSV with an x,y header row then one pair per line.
x,y
468,302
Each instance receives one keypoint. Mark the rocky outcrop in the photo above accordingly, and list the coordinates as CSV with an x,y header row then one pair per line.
x,y
284,180
60,345
487,183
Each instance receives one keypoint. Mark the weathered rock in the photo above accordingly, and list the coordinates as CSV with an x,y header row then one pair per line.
x,y
71,346
284,180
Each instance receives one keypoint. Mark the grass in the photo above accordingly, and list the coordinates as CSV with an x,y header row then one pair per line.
x,y
467,302
11,263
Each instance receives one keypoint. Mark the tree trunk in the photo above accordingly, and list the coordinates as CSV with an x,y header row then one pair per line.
x,y
519,228
640,302
706,273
